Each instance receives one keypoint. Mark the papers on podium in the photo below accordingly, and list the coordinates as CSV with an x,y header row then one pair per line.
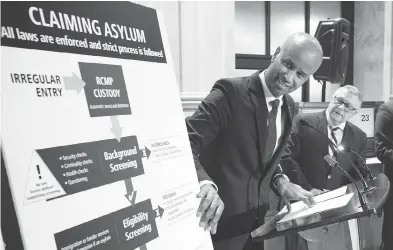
x,y
327,201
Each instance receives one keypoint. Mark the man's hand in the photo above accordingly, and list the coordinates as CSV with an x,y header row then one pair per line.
x,y
210,208
315,191
290,191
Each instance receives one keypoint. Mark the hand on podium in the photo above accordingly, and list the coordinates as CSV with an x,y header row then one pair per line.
x,y
292,192
333,207
300,208
315,191
288,192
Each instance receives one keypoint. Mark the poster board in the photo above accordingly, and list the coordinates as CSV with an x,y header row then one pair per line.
x,y
93,162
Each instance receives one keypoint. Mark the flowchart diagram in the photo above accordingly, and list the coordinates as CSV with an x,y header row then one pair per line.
x,y
70,169
94,140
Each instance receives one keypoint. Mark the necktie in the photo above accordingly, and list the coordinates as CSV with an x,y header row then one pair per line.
x,y
332,130
272,132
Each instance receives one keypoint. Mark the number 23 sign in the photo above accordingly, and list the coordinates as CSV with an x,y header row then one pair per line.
x,y
364,119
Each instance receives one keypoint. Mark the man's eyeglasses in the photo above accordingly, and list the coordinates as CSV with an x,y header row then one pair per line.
x,y
347,107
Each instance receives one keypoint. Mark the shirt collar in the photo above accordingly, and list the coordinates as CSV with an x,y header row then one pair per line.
x,y
268,95
341,126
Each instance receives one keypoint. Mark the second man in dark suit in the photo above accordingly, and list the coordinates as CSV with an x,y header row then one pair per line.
x,y
384,151
303,159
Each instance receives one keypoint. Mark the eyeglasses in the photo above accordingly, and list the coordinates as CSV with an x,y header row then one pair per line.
x,y
347,107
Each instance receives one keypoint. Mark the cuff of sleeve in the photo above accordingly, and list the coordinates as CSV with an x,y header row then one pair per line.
x,y
276,177
208,182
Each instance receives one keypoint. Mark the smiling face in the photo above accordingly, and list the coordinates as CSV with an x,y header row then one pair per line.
x,y
343,106
293,63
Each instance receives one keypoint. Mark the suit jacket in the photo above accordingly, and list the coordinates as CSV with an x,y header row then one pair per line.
x,y
227,135
303,159
383,139
384,136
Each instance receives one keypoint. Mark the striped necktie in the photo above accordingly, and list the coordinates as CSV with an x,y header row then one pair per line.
x,y
332,130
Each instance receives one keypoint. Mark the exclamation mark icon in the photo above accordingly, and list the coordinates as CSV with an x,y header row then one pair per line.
x,y
38,169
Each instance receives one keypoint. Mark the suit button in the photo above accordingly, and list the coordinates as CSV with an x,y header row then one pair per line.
x,y
329,176
253,209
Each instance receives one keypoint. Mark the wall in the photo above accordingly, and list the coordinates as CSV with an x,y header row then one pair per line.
x,y
249,31
373,64
388,53
201,41
207,44
369,49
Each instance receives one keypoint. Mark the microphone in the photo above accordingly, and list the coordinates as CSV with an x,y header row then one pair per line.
x,y
342,148
333,163
366,188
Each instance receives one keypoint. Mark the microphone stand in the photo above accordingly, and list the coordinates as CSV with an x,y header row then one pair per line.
x,y
333,163
359,157
366,188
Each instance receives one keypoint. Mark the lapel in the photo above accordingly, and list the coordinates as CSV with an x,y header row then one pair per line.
x,y
346,141
258,100
286,117
347,134
321,124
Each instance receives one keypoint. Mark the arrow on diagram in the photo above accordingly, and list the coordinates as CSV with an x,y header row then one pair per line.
x,y
73,83
145,152
131,194
159,212
116,129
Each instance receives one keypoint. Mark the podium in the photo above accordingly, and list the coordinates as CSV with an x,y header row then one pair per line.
x,y
374,200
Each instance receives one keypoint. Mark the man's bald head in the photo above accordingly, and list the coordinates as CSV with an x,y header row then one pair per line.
x,y
305,43
299,56
301,38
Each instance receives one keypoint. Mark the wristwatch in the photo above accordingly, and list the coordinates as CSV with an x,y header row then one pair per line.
x,y
278,176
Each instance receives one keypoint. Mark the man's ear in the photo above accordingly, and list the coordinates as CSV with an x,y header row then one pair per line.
x,y
276,53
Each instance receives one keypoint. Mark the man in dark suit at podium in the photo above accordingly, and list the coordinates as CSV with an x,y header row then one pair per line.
x,y
384,151
303,159
237,136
